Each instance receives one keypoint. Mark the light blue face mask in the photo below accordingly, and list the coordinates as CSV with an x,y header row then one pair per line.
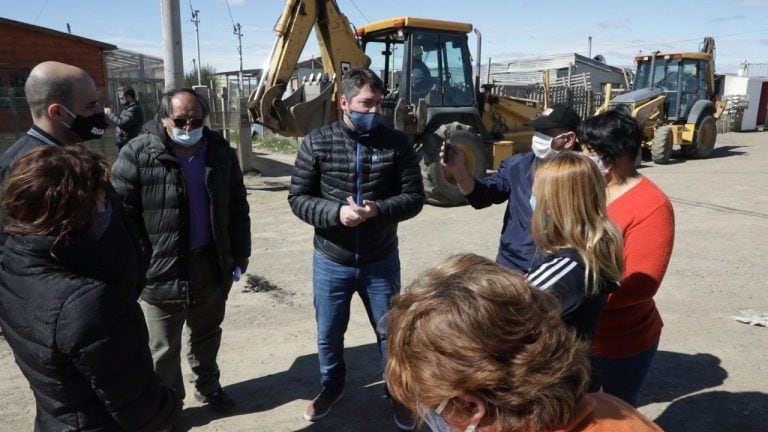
x,y
437,423
532,202
364,122
186,139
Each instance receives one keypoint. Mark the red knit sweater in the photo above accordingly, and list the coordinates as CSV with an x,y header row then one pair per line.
x,y
630,322
601,412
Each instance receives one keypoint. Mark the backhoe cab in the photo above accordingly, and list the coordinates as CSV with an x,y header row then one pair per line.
x,y
430,95
674,100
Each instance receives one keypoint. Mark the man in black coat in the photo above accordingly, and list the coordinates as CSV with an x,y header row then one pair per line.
x,y
128,123
183,189
354,181
66,111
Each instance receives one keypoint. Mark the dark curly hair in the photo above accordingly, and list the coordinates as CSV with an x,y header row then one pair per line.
x,y
612,135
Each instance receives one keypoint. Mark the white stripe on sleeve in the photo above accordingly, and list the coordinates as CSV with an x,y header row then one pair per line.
x,y
549,273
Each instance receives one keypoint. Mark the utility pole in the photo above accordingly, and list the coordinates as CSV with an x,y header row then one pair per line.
x,y
244,145
239,35
172,57
196,20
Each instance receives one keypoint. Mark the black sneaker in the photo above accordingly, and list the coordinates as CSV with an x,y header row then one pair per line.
x,y
217,401
404,418
322,404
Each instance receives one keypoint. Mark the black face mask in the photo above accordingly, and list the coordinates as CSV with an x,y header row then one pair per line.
x,y
88,128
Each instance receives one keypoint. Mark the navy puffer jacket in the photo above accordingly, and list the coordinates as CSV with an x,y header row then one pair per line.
x,y
335,163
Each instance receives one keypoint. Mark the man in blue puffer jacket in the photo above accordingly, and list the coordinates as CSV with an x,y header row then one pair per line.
x,y
354,181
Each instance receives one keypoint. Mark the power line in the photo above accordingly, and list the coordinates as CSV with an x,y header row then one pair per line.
x,y
359,11
716,37
238,32
41,12
230,13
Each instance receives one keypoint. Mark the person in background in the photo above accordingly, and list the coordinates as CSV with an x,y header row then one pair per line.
x,y
183,189
128,123
579,258
78,338
555,131
473,347
421,78
627,336
354,180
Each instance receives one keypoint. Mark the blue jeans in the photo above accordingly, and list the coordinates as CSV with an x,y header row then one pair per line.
x,y
623,377
333,286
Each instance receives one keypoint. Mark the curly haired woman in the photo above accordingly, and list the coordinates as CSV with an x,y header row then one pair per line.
x,y
473,347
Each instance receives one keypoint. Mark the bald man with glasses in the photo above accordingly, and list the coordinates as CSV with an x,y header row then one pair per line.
x,y
183,190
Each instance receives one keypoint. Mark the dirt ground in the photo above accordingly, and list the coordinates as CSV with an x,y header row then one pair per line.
x,y
709,374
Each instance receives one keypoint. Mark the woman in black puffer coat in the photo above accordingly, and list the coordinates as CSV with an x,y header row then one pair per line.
x,y
72,321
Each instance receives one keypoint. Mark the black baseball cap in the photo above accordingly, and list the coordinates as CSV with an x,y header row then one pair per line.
x,y
559,116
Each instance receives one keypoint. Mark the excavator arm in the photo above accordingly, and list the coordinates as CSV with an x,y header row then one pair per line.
x,y
312,104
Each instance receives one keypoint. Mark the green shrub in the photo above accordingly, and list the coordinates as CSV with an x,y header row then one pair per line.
x,y
277,145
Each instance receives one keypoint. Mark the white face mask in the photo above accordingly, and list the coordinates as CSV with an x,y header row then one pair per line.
x,y
541,144
186,139
600,165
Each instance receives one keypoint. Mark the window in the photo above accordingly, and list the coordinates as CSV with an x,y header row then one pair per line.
x,y
386,56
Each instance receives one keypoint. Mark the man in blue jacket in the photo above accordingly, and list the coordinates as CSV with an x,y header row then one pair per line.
x,y
554,131
354,180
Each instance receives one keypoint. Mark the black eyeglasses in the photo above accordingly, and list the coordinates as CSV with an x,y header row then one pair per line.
x,y
182,122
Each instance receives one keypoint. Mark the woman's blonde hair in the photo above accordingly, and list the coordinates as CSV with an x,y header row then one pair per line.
x,y
570,213
471,325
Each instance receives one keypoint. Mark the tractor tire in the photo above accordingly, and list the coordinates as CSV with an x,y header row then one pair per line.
x,y
661,147
440,187
703,139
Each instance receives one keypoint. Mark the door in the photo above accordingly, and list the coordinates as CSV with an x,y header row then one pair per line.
x,y
762,108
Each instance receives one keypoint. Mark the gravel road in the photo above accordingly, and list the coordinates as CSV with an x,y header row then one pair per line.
x,y
709,375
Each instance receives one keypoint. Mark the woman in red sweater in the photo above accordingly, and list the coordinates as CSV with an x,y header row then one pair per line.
x,y
628,333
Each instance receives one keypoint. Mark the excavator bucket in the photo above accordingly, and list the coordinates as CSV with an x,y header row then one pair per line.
x,y
307,108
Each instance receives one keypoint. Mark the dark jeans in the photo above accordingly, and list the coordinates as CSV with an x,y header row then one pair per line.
x,y
623,377
203,317
334,285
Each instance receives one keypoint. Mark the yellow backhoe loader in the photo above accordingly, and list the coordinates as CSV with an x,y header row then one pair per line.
x,y
675,101
430,93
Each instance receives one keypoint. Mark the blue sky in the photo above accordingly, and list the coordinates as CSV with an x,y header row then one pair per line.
x,y
510,29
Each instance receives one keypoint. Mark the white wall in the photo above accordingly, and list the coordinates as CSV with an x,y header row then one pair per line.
x,y
751,87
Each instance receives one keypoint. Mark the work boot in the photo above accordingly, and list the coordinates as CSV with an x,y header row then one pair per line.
x,y
322,404
217,401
